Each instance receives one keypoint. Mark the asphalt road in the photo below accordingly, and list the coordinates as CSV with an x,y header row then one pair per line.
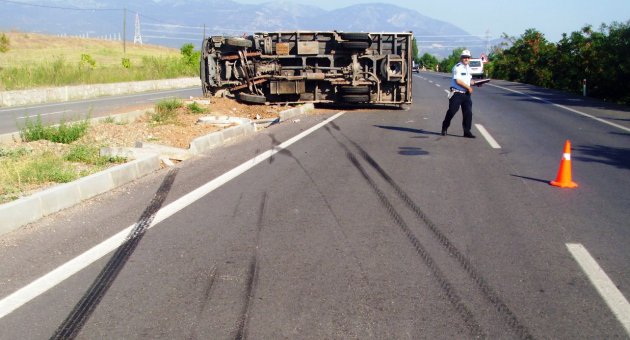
x,y
14,118
369,225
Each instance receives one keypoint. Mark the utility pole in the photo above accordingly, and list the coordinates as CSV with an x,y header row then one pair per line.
x,y
125,32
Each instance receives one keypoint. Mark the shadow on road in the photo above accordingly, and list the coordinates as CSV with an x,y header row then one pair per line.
x,y
617,157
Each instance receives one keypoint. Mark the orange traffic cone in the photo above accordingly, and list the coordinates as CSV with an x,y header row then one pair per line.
x,y
563,179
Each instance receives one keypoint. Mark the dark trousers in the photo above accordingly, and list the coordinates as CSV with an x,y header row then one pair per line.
x,y
459,100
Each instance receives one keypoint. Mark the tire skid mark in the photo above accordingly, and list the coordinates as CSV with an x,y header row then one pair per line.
x,y
512,321
252,275
344,241
82,311
207,291
452,296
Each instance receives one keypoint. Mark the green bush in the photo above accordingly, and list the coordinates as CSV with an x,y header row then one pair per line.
x,y
195,108
190,57
47,168
597,56
4,43
166,111
87,59
89,154
63,133
14,153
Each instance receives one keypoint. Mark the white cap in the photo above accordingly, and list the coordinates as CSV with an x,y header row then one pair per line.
x,y
465,53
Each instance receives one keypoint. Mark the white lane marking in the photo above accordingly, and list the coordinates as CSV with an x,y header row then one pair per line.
x,y
56,276
604,285
493,143
42,114
566,108
446,91
438,85
92,100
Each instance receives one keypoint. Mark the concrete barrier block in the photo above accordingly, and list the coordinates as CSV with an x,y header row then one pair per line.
x,y
58,197
147,165
18,213
95,184
233,131
207,142
124,173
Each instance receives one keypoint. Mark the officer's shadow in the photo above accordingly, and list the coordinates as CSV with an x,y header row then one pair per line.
x,y
420,132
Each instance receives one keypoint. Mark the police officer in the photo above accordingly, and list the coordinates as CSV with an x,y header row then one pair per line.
x,y
461,90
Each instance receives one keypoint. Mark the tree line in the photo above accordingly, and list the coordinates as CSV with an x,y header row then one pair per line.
x,y
595,58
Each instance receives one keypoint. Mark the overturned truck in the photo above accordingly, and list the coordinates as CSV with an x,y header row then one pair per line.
x,y
307,66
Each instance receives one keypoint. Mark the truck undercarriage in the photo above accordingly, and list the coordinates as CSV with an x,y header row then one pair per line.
x,y
307,66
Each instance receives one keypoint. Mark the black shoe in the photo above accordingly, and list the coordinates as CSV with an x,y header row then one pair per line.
x,y
443,132
469,135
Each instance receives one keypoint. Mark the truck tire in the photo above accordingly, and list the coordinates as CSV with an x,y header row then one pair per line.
x,y
355,45
356,98
354,90
238,42
251,98
355,36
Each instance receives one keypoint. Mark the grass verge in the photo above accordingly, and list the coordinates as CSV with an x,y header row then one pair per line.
x,y
25,168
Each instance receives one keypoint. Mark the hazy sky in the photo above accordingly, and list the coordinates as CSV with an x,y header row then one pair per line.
x,y
551,17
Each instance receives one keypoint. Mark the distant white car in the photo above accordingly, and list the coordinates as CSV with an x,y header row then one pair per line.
x,y
476,68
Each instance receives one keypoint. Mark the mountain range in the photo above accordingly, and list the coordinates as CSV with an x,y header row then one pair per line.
x,y
175,22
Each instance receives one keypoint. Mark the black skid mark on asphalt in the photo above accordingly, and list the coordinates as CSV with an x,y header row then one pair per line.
x,y
82,311
207,291
512,321
452,296
252,275
274,146
237,206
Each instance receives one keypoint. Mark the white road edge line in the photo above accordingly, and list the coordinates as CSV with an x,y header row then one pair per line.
x,y
604,285
58,275
493,143
89,100
566,108
42,114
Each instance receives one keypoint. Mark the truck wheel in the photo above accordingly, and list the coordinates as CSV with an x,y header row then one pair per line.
x,y
251,98
354,89
356,98
355,36
355,45
238,42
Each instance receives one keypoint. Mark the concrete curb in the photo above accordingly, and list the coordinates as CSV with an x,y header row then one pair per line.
x,y
66,93
31,208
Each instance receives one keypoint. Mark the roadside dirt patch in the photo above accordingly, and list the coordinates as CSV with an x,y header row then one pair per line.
x,y
180,130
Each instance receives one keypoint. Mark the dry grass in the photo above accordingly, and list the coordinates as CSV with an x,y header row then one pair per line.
x,y
34,48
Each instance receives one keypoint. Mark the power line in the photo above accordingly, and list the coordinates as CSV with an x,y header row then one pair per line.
x,y
171,32
172,25
58,7
165,37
